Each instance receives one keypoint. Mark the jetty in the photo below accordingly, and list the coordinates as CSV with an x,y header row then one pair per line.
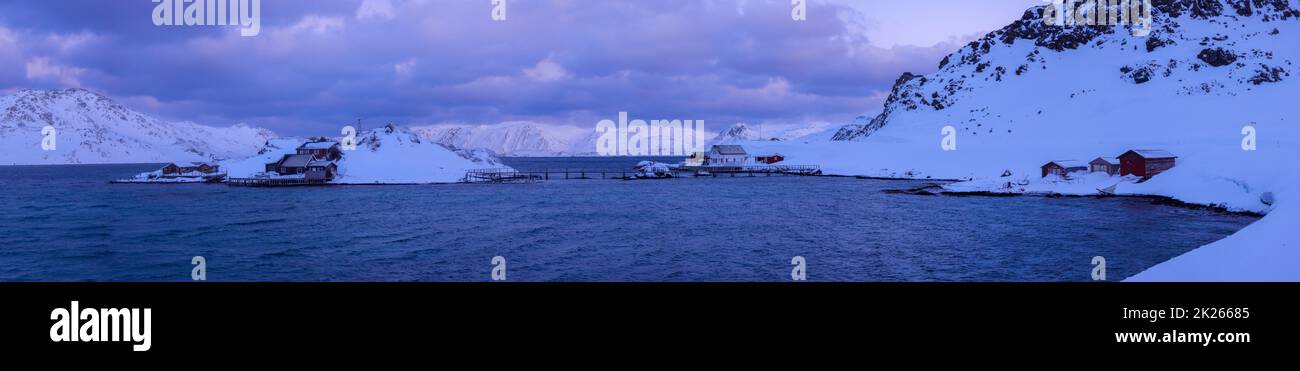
x,y
536,175
752,170
275,182
516,176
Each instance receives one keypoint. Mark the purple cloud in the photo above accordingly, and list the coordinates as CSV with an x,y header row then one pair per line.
x,y
317,65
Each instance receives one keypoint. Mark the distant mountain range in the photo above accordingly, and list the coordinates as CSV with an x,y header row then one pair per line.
x,y
91,128
508,139
533,139
94,129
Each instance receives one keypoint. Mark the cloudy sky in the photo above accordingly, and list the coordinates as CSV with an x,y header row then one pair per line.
x,y
320,64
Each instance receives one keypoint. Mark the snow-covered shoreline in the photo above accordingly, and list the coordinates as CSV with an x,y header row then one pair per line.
x,y
1213,83
1263,251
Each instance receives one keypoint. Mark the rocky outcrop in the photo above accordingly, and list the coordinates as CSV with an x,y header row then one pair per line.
x,y
1217,57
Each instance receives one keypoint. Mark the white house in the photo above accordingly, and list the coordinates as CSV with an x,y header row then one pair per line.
x,y
727,155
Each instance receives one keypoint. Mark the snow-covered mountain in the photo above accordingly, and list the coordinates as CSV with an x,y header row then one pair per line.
x,y
1210,72
91,128
587,145
532,139
741,133
507,139
737,133
1031,93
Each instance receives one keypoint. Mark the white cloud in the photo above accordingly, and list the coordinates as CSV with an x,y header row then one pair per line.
x,y
69,42
546,70
404,70
7,38
41,68
316,24
376,9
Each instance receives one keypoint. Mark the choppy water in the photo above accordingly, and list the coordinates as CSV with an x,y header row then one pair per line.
x,y
65,223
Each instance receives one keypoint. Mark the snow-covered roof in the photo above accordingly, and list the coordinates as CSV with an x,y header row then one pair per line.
x,y
1068,163
1153,153
318,145
1108,160
296,160
320,163
729,149
189,164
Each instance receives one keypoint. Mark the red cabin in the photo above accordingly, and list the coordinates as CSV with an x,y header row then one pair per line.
x,y
173,170
1146,163
1063,168
769,159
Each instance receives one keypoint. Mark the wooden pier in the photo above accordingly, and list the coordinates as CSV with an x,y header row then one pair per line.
x,y
274,182
766,170
515,176
528,176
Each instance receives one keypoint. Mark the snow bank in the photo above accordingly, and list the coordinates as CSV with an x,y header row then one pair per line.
x,y
392,155
156,177
274,150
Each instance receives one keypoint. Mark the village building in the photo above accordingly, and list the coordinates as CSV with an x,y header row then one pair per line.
x,y
321,170
330,151
1063,167
290,164
1108,165
191,169
315,160
1146,163
769,159
727,155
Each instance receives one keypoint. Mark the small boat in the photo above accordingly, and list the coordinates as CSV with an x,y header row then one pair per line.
x,y
1107,192
703,173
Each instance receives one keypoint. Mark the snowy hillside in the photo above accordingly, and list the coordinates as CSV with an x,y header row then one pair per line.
x,y
506,139
1031,93
394,155
387,155
92,128
271,152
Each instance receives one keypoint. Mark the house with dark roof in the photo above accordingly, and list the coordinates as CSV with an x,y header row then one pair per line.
x,y
322,170
314,160
1146,163
290,164
328,150
726,155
